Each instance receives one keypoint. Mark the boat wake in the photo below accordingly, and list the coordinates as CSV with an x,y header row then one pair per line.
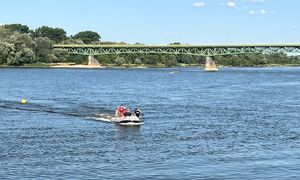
x,y
101,117
84,111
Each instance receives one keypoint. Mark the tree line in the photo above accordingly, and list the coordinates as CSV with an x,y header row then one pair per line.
x,y
21,45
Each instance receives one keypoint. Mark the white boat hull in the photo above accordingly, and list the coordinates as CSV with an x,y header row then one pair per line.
x,y
127,121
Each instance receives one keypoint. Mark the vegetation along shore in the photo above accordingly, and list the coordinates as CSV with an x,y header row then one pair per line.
x,y
23,47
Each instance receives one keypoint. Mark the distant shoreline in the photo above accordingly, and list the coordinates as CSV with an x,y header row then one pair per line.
x,y
127,66
84,66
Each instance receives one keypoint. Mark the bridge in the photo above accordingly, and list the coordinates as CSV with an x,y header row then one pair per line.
x,y
207,51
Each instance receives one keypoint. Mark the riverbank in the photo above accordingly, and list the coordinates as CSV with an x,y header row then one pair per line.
x,y
133,66
85,66
53,65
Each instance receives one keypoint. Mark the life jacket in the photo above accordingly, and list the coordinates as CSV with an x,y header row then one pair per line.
x,y
121,110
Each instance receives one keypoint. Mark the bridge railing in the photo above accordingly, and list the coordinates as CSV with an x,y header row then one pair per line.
x,y
198,50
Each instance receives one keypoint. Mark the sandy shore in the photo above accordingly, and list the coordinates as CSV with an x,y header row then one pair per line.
x,y
77,66
73,65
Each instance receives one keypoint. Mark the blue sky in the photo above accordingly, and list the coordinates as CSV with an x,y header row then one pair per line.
x,y
164,21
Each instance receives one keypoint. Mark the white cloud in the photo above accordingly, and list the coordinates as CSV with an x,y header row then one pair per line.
x,y
261,12
199,4
243,7
231,4
258,1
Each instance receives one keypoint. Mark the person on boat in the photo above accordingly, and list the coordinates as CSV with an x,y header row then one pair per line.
x,y
127,113
121,110
137,112
117,112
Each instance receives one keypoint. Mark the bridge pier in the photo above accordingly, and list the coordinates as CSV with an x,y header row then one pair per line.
x,y
93,62
210,65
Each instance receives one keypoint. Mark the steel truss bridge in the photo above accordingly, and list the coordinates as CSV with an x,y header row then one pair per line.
x,y
197,50
207,51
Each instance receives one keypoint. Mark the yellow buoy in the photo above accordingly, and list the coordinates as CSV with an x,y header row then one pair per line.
x,y
23,101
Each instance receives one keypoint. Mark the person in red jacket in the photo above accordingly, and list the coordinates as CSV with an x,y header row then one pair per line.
x,y
121,110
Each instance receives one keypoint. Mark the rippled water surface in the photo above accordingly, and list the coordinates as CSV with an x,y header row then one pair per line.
x,y
239,123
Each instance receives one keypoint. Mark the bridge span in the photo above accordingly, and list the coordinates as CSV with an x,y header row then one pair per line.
x,y
207,51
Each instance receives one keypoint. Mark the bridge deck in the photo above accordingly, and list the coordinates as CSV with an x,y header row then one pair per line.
x,y
198,50
296,45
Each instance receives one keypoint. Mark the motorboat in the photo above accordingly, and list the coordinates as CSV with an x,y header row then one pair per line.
x,y
127,120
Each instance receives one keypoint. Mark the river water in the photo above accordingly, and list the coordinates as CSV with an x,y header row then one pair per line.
x,y
239,123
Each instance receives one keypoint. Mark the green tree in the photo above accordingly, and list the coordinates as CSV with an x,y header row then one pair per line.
x,y
72,41
138,61
55,34
120,60
184,59
88,37
63,55
170,60
7,51
151,59
21,41
17,48
17,28
5,34
24,56
175,43
51,58
43,49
